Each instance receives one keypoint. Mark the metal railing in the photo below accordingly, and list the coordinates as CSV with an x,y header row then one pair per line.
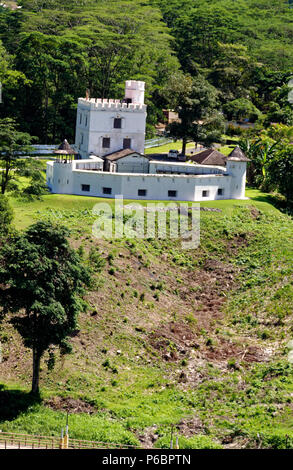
x,y
21,441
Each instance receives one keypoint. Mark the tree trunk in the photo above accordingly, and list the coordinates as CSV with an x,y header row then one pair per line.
x,y
36,371
184,145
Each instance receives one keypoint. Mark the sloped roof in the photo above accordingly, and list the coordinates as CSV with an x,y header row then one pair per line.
x,y
209,157
238,155
121,154
65,149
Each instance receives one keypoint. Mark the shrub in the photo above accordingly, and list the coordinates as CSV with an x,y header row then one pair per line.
x,y
6,215
195,442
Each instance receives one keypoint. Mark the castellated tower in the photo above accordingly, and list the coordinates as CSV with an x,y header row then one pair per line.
x,y
104,126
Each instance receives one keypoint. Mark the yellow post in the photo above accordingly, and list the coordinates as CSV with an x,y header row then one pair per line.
x,y
65,441
66,437
61,443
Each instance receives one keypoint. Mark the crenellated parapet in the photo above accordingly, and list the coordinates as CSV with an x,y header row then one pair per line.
x,y
110,105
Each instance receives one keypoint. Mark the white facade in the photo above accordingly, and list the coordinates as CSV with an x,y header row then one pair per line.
x,y
104,126
67,178
109,128
134,163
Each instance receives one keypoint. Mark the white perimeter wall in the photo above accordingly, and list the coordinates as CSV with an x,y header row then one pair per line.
x,y
65,180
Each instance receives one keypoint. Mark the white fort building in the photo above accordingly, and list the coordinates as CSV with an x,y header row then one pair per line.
x,y
108,158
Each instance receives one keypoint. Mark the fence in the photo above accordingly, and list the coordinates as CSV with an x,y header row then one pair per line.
x,y
22,441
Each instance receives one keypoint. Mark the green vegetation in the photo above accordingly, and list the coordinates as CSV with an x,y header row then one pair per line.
x,y
41,280
271,166
12,144
6,215
227,305
51,52
170,342
195,101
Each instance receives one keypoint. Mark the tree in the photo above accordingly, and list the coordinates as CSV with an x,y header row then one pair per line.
x,y
232,72
240,109
68,47
260,151
42,280
6,215
13,144
280,171
196,102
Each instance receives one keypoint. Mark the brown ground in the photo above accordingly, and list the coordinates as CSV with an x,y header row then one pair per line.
x,y
70,405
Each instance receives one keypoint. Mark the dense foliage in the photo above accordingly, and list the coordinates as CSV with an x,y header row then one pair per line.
x,y
41,279
6,216
271,154
12,144
51,52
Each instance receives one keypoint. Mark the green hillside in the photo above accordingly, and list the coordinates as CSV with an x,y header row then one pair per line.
x,y
191,338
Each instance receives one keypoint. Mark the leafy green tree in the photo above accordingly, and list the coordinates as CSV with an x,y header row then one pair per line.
x,y
13,144
6,215
66,48
240,109
232,72
280,133
6,72
36,186
56,68
196,102
42,280
280,172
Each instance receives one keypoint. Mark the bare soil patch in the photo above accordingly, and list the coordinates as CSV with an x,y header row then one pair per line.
x,y
71,405
226,350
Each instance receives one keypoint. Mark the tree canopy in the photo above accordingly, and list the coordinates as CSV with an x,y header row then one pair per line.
x,y
13,143
42,280
53,51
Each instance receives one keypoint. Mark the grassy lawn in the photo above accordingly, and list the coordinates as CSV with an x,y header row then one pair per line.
x,y
61,205
165,148
225,149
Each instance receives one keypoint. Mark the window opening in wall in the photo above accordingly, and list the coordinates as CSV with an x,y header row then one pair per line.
x,y
172,193
142,192
117,123
126,143
106,142
85,187
107,190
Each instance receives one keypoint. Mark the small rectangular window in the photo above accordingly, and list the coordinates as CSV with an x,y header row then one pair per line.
x,y
220,191
126,143
85,121
172,193
117,123
80,118
205,193
107,190
85,187
142,192
106,142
